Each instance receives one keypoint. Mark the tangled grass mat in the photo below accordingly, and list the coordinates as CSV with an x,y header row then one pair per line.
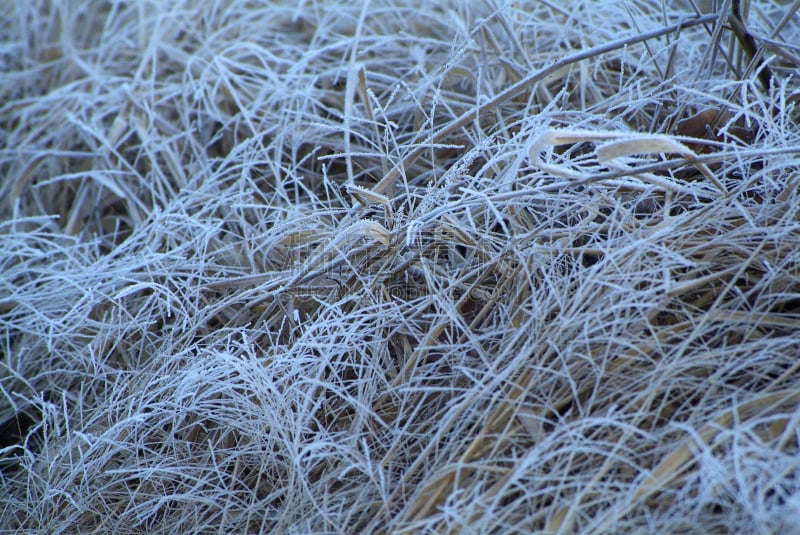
x,y
399,267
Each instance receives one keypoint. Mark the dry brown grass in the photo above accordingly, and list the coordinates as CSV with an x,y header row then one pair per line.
x,y
402,267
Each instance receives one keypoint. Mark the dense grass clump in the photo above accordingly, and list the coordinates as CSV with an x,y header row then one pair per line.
x,y
399,266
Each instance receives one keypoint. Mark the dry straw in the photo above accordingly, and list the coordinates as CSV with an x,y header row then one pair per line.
x,y
399,267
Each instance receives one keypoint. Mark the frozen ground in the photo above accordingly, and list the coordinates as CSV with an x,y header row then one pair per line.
x,y
408,267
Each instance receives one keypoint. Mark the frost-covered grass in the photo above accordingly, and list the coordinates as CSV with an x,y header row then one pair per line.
x,y
408,267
